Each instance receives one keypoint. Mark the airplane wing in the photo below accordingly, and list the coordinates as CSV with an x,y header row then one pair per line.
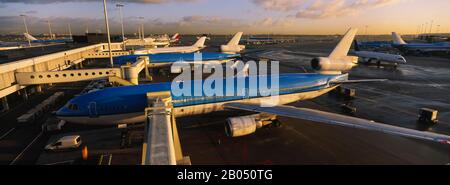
x,y
357,81
341,120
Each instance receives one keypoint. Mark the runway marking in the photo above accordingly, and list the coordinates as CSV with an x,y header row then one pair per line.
x,y
61,162
26,148
7,133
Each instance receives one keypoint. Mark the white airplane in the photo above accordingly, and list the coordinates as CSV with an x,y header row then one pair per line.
x,y
35,40
200,44
233,45
126,105
378,57
165,38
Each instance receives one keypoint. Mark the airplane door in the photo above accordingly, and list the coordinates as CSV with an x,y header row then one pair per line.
x,y
93,109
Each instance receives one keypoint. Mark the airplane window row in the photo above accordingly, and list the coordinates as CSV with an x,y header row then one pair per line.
x,y
71,74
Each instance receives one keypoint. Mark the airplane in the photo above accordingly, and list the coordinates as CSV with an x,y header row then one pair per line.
x,y
259,40
378,57
200,44
126,104
399,43
175,38
375,44
233,45
11,45
166,59
35,40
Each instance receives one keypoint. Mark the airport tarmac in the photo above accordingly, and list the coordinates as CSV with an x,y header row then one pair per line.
x,y
423,82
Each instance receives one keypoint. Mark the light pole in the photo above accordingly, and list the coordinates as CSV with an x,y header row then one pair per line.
x,y
421,29
120,6
70,31
49,29
26,28
142,27
431,26
139,32
107,31
367,36
426,28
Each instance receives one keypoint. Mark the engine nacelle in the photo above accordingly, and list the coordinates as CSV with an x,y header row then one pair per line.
x,y
245,125
232,48
327,65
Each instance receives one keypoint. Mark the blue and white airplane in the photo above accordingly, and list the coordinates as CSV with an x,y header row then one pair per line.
x,y
375,44
399,43
167,59
126,105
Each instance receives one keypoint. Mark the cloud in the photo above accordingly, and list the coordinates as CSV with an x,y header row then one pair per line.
x,y
339,8
279,5
320,9
66,1
31,12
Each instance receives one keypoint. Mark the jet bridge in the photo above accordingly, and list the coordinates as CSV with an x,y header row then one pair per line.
x,y
161,144
126,75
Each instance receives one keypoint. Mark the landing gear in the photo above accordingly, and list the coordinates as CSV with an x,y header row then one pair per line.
x,y
378,64
276,123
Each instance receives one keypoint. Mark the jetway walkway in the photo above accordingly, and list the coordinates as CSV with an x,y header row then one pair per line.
x,y
46,77
125,75
49,62
93,55
161,144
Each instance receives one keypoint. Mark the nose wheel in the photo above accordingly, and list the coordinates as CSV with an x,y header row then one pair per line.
x,y
276,123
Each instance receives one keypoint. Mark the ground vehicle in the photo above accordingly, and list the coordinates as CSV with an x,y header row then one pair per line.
x,y
66,142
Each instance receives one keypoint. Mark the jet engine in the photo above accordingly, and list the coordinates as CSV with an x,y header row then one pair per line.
x,y
332,65
245,125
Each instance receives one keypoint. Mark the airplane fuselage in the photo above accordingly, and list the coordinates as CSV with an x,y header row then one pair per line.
x,y
181,49
125,105
379,56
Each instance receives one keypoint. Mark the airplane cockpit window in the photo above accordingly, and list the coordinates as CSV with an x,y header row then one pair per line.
x,y
72,106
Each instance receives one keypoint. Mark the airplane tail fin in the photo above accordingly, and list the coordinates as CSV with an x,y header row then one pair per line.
x,y
176,36
344,45
200,42
29,37
397,39
236,38
355,45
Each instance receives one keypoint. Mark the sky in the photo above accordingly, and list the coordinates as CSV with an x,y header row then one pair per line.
x,y
313,17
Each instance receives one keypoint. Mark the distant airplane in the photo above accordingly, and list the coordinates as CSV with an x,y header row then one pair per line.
x,y
34,40
375,44
233,45
175,38
378,57
126,104
11,45
259,40
200,44
162,40
419,48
